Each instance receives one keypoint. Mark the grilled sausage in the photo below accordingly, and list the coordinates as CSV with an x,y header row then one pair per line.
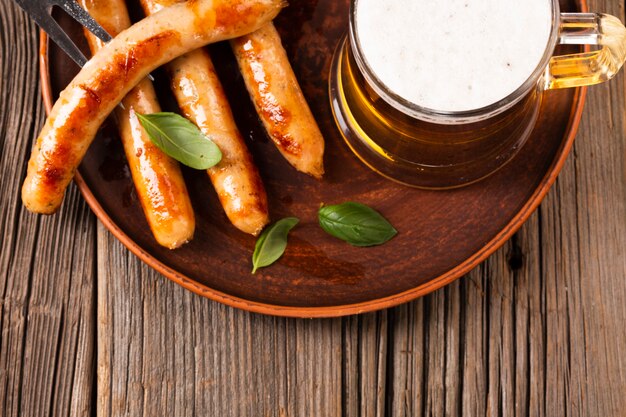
x,y
157,177
278,99
201,98
114,71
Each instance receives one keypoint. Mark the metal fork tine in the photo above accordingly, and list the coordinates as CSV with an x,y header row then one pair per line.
x,y
40,15
61,38
39,11
81,16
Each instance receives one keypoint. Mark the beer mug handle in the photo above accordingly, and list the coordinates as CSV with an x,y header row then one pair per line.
x,y
593,67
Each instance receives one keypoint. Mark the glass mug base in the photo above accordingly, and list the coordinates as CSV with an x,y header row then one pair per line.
x,y
419,153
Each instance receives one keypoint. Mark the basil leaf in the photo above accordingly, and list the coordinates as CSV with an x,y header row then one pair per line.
x,y
272,243
180,139
356,223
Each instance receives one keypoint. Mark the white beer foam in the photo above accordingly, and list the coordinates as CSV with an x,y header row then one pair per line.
x,y
453,55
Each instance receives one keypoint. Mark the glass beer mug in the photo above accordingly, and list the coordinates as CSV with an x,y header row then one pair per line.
x,y
444,147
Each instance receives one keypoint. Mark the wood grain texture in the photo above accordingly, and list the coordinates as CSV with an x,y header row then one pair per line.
x,y
164,350
47,340
537,330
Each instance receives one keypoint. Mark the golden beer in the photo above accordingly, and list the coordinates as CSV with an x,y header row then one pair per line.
x,y
444,149
421,153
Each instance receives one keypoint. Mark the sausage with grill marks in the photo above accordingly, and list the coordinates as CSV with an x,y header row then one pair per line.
x,y
202,100
278,99
157,177
113,71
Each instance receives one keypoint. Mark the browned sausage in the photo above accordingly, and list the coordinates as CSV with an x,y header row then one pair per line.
x,y
113,71
278,99
201,98
157,177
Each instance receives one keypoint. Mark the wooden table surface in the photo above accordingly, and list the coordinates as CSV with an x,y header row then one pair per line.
x,y
539,329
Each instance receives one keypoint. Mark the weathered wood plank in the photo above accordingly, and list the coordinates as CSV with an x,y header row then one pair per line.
x,y
165,350
351,390
583,234
46,264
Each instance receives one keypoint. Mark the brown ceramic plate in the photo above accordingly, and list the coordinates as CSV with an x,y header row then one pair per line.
x,y
442,234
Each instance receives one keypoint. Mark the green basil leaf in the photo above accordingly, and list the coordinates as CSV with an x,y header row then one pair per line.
x,y
180,139
272,243
356,223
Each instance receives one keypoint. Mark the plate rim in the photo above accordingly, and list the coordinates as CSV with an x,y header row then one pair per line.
x,y
434,284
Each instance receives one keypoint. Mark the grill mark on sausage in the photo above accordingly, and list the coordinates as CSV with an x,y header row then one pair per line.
x,y
51,175
91,93
269,108
144,50
237,16
286,142
110,80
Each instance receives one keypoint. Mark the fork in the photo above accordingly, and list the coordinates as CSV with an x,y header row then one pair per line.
x,y
40,12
